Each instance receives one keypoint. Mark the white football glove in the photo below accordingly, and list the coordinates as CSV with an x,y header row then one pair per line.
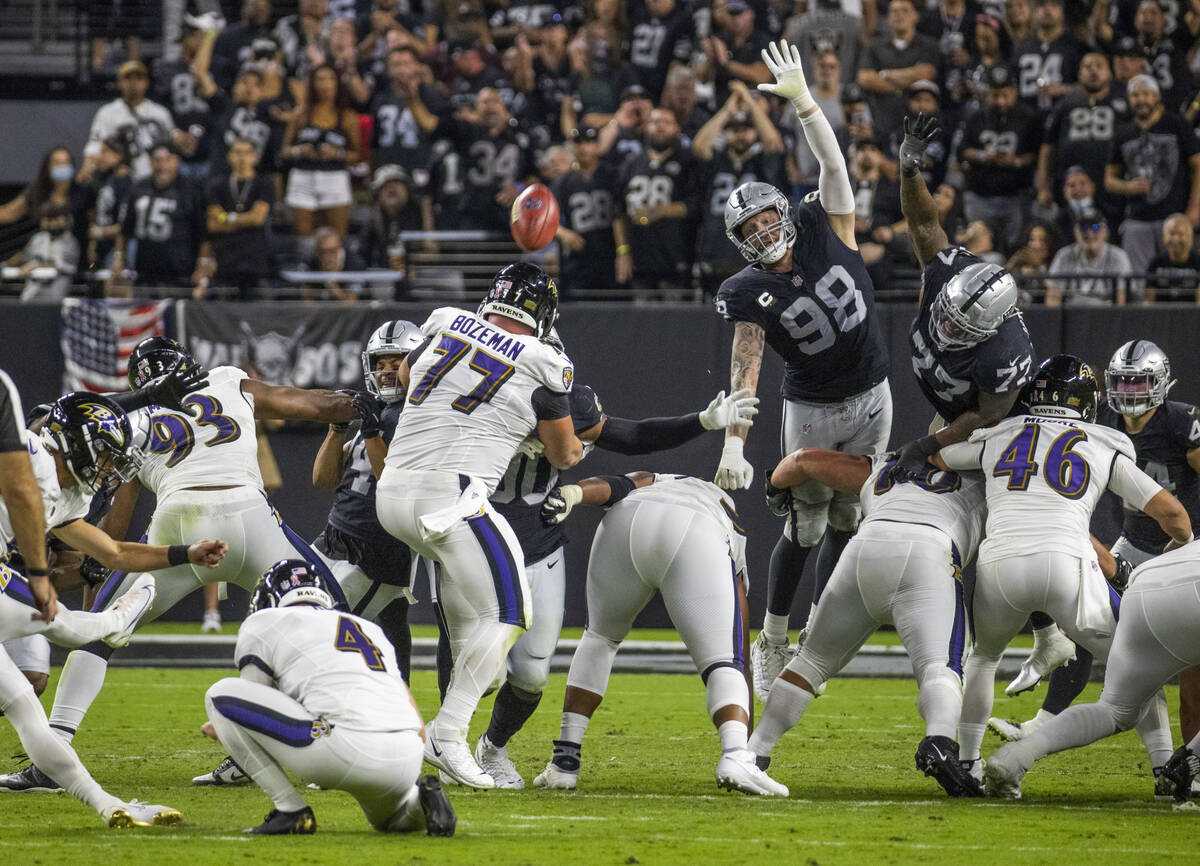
x,y
738,409
531,446
734,471
784,62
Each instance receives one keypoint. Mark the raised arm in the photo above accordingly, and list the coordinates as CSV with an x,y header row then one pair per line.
x,y
298,404
660,434
924,228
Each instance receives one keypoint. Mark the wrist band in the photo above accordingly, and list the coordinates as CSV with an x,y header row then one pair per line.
x,y
37,572
177,554
340,426
623,250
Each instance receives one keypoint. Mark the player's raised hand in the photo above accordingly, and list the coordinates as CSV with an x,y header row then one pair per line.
x,y
368,407
559,503
919,133
784,62
179,381
207,553
734,472
736,410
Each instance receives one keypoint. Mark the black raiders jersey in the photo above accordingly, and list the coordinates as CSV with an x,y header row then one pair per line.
x,y
178,90
819,317
657,43
952,379
723,176
397,138
231,122
1054,62
586,205
662,248
1082,133
523,489
353,510
169,224
470,173
1161,449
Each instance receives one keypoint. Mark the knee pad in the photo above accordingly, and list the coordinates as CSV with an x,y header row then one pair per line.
x,y
592,664
844,514
806,522
726,686
528,672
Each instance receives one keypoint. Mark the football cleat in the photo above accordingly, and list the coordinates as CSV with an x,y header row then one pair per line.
x,y
30,780
938,757
1176,779
133,605
973,768
302,823
1013,731
556,779
211,622
453,757
1051,649
1000,780
138,814
495,762
767,659
737,771
226,773
440,819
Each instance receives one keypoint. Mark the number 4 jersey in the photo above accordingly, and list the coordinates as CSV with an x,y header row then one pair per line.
x,y
1044,477
215,447
819,317
475,391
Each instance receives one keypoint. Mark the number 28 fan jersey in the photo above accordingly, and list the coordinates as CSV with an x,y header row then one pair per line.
x,y
475,391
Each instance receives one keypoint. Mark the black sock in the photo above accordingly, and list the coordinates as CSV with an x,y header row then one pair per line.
x,y
393,619
1037,619
566,756
783,576
510,712
445,664
1067,682
828,554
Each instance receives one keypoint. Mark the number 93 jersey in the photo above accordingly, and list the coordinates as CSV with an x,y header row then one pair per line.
x,y
819,317
475,391
216,446
1044,477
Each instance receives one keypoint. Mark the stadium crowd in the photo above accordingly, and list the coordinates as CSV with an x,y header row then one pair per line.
x,y
312,140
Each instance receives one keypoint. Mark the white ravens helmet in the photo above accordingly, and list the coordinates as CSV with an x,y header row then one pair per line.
x,y
767,245
971,306
1138,378
391,338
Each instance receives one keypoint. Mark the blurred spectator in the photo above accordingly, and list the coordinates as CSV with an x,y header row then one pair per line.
x,y
405,112
390,25
244,117
490,158
469,74
321,143
1018,18
177,86
110,186
1167,60
662,35
826,89
860,125
595,53
679,98
878,220
924,97
586,196
979,239
623,134
998,149
341,52
301,38
1079,197
238,208
1081,131
822,27
1047,59
55,183
734,51
1036,251
329,257
659,190
893,62
952,23
552,74
1128,60
129,21
163,227
554,163
50,258
234,44
142,122
397,209
992,48
1090,254
1175,272
1155,166
740,144
949,207
512,18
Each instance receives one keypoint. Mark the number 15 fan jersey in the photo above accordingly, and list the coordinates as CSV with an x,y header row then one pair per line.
x,y
474,393
216,446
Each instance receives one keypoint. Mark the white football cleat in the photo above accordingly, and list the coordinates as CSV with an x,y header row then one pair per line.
x,y
555,779
1013,731
133,605
211,622
495,762
1000,780
138,814
226,773
737,771
767,660
1051,649
453,758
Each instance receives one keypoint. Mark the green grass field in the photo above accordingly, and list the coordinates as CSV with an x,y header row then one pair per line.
x,y
646,792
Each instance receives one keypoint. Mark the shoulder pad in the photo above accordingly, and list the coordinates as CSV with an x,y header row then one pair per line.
x,y
1114,439
439,319
549,366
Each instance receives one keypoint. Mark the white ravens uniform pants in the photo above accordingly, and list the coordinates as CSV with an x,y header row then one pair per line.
x,y
529,659
907,575
643,547
30,653
269,733
860,425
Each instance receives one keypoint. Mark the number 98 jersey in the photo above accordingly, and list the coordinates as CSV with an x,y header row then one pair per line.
x,y
819,317
217,446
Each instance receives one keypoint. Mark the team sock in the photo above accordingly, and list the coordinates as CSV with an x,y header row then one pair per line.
x,y
733,735
785,707
783,576
828,554
1066,683
82,679
510,712
566,755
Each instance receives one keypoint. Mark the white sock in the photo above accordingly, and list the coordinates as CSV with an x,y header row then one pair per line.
x,y
939,701
733,735
574,726
1042,717
479,663
81,681
775,627
979,687
785,707
1155,730
1075,726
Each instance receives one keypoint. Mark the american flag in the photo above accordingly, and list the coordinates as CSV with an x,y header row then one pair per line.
x,y
98,337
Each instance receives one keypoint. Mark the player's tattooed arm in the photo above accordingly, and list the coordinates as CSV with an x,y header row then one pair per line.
x,y
744,365
924,227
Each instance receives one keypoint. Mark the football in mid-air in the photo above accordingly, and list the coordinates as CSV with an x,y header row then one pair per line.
x,y
534,217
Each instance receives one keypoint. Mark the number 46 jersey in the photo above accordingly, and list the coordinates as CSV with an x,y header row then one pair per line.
x,y
819,317
216,446
475,392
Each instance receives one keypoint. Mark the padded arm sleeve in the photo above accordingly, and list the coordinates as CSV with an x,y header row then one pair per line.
x,y
648,435
837,196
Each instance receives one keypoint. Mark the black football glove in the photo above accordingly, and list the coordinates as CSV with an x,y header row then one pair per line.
x,y
93,572
779,499
1120,581
368,407
919,133
559,502
170,390
912,458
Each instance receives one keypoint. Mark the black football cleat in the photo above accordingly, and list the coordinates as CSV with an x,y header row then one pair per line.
x,y
1175,778
30,780
302,823
938,757
440,819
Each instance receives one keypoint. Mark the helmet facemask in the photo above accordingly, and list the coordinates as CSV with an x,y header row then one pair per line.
x,y
952,328
384,384
770,243
1137,379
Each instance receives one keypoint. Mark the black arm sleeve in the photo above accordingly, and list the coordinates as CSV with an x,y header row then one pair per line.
x,y
12,421
648,435
550,405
